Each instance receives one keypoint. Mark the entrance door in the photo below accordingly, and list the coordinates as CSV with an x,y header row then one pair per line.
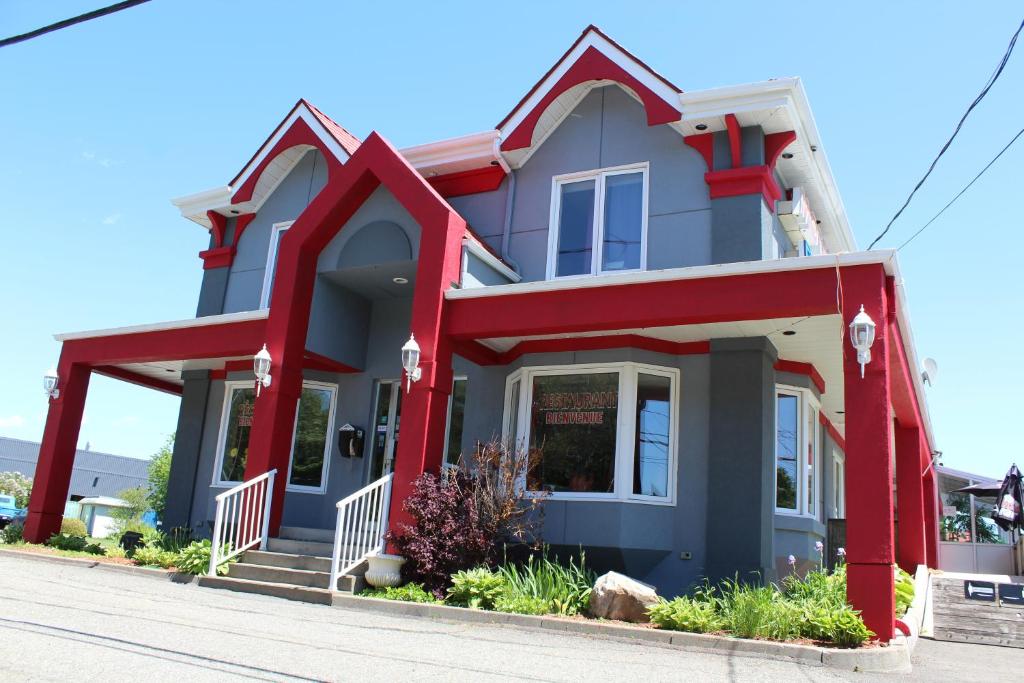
x,y
387,416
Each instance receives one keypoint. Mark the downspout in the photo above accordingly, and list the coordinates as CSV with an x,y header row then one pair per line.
x,y
510,197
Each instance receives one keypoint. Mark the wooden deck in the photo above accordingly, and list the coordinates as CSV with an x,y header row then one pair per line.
x,y
971,621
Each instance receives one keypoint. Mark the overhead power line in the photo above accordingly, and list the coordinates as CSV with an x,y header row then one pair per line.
x,y
95,14
984,91
965,188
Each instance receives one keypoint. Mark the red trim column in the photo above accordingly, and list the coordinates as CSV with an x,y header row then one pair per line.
x,y
869,502
910,499
931,510
57,453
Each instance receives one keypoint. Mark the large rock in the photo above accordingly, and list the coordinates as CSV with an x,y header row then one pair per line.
x,y
616,596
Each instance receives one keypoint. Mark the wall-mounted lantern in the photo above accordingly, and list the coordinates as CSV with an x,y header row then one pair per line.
x,y
261,367
411,362
50,382
862,336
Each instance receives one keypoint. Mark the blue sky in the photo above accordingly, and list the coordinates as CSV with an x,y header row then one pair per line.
x,y
103,123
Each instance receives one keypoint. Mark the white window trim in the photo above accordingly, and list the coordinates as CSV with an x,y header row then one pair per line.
x,y
807,401
625,427
448,421
268,272
838,492
229,387
596,256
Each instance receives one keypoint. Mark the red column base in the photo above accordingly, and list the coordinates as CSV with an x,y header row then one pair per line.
x,y
870,589
39,526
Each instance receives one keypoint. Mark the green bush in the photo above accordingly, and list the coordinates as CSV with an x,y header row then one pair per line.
x,y
73,527
18,485
195,558
477,588
904,591
155,556
752,611
686,614
74,544
841,625
410,592
520,604
13,533
564,588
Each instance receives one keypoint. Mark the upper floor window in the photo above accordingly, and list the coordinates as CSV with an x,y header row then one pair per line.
x,y
797,452
277,231
598,221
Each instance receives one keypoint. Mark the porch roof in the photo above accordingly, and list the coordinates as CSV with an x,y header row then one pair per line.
x,y
685,305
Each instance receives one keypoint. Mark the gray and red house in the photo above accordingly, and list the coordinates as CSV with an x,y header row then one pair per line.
x,y
653,286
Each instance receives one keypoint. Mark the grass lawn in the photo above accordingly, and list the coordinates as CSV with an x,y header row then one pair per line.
x,y
114,554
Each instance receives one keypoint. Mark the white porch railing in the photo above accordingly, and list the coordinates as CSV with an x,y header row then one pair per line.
x,y
243,514
362,523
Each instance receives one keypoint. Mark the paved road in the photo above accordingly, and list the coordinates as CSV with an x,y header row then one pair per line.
x,y
59,622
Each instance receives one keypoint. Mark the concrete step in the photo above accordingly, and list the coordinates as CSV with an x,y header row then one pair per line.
x,y
295,547
294,577
287,560
320,596
298,533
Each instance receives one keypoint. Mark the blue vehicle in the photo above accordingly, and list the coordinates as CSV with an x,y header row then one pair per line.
x,y
9,511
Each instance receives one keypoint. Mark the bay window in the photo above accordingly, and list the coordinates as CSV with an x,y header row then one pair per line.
x,y
598,222
797,452
601,432
311,443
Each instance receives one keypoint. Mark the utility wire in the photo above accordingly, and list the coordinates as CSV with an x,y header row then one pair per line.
x,y
95,14
977,100
965,188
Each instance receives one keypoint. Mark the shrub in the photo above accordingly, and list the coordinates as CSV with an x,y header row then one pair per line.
x,y
73,527
159,474
521,604
410,592
477,588
13,533
195,558
464,516
18,485
565,589
155,556
686,614
752,611
75,544
130,518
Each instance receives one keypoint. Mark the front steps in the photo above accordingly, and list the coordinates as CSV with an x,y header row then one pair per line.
x,y
295,566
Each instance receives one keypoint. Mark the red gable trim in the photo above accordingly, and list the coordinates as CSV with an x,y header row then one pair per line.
x,y
705,144
832,431
774,143
586,31
241,223
591,66
798,368
476,180
218,226
732,125
315,361
348,141
219,257
732,182
299,134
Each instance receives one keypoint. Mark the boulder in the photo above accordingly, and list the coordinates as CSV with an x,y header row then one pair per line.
x,y
616,596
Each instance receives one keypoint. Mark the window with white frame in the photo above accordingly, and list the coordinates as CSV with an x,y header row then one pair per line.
x,y
797,452
600,432
598,221
311,444
277,231
456,415
838,485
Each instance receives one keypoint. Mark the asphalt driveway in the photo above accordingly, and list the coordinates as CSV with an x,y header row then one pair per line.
x,y
60,622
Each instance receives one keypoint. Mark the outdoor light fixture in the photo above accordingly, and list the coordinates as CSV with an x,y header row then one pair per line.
x,y
411,362
787,155
862,336
50,381
701,126
261,367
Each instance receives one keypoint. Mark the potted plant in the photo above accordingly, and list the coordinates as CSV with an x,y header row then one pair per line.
x,y
383,570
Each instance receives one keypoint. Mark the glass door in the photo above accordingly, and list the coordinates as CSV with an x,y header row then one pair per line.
x,y
387,415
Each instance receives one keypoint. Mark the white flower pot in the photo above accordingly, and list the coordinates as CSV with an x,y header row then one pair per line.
x,y
384,571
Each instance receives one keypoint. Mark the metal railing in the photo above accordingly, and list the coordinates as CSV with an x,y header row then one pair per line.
x,y
362,523
243,515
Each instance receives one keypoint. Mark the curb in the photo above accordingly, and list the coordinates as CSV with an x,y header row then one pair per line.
x,y
84,563
890,659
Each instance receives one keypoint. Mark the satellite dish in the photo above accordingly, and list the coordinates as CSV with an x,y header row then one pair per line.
x,y
930,371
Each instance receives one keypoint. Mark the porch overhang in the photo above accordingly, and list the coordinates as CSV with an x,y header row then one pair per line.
x,y
693,305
